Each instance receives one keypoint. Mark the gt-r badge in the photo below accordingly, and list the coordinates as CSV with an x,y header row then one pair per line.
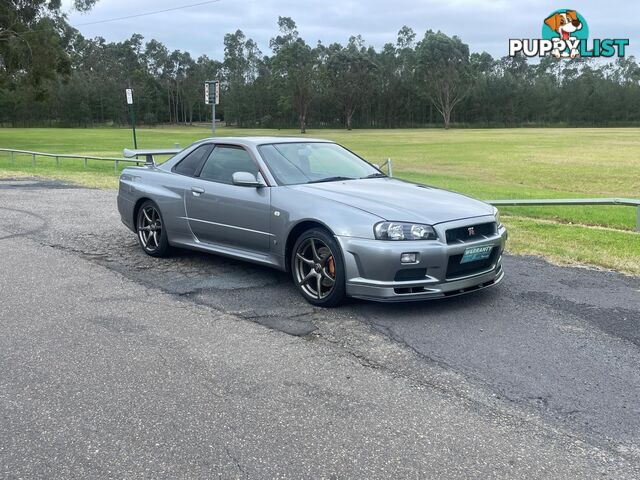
x,y
471,231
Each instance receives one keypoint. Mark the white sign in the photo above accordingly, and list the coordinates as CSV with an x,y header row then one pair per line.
x,y
129,96
217,84
206,93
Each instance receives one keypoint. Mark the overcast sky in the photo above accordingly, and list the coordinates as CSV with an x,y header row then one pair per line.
x,y
483,24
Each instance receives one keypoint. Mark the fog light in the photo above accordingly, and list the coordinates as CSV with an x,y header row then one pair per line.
x,y
409,258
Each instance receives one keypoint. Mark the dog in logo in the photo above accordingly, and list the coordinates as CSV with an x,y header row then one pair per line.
x,y
564,24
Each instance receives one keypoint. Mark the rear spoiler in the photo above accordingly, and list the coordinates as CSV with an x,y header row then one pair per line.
x,y
148,154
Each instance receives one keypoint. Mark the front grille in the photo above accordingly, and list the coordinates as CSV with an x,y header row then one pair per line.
x,y
409,290
470,233
455,269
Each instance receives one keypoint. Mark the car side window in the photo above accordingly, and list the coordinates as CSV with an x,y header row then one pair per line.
x,y
189,165
226,160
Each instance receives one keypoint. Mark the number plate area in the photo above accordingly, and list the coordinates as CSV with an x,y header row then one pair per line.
x,y
473,254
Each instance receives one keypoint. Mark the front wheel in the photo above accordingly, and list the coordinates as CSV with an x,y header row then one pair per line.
x,y
317,268
152,235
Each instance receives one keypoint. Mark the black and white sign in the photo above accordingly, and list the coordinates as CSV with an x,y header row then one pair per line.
x,y
129,96
212,93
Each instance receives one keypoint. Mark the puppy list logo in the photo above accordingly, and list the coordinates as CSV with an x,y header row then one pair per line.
x,y
565,34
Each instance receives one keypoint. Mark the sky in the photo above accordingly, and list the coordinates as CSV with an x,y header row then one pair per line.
x,y
485,25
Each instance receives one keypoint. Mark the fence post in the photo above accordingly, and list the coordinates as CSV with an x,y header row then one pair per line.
x,y
57,161
13,157
33,159
638,220
115,168
85,162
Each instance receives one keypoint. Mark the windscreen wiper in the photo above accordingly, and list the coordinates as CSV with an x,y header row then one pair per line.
x,y
375,175
331,179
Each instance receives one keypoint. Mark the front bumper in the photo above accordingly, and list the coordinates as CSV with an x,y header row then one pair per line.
x,y
374,271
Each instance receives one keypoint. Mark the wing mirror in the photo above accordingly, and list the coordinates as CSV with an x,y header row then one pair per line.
x,y
246,179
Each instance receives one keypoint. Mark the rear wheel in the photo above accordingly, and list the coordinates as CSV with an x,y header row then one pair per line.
x,y
317,268
152,236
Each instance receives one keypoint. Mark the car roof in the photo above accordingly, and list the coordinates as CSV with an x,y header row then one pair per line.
x,y
255,141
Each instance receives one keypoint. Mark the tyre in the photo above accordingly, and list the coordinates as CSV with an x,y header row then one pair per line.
x,y
152,236
317,268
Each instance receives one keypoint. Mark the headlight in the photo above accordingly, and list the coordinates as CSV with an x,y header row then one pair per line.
x,y
496,214
403,231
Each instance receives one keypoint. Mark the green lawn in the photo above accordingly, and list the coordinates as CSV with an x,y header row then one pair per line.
x,y
488,164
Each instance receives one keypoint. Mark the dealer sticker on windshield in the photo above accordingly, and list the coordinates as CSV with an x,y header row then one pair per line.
x,y
473,254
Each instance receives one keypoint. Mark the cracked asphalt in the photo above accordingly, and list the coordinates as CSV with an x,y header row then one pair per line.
x,y
117,365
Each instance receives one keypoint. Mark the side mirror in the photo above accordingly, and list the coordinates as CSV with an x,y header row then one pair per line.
x,y
246,179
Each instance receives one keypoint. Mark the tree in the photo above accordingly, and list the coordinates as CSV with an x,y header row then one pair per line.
x,y
295,63
202,70
235,68
349,72
444,66
34,38
51,75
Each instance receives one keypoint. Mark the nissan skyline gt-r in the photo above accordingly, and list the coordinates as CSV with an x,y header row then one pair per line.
x,y
312,208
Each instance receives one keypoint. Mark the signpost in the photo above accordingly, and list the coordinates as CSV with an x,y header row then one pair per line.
x,y
212,96
132,112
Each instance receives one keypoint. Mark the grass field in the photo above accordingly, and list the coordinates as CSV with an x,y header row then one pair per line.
x,y
487,164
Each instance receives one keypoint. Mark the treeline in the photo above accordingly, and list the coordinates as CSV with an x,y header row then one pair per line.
x,y
415,81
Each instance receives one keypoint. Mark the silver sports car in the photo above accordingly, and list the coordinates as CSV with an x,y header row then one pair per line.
x,y
338,224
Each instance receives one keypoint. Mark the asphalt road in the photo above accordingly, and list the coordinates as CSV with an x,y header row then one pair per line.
x,y
117,365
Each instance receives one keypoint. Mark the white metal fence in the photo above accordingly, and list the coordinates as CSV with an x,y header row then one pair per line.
x,y
629,202
34,155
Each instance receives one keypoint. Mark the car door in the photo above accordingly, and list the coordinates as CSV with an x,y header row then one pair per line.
x,y
222,213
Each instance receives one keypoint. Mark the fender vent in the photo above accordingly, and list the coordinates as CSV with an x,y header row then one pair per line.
x,y
408,274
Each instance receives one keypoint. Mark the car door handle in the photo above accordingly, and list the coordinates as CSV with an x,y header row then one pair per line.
x,y
197,191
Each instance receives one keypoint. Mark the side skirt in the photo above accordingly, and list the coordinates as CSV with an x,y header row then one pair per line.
x,y
269,260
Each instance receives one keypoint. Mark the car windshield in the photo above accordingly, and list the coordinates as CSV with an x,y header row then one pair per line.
x,y
314,162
